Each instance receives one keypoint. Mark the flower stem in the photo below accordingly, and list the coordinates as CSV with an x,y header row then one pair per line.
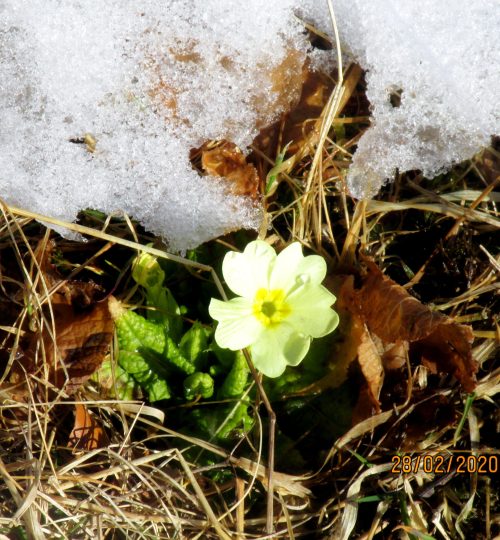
x,y
271,436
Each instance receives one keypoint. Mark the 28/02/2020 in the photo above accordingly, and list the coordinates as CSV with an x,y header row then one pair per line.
x,y
445,463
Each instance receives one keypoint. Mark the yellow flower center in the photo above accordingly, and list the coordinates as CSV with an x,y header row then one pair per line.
x,y
269,307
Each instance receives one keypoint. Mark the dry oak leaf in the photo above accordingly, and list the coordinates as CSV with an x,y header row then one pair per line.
x,y
226,160
83,327
376,358
393,315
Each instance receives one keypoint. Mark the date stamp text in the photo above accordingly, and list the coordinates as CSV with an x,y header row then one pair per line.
x,y
445,463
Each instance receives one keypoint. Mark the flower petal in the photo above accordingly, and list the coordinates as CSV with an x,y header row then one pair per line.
x,y
278,347
313,266
245,273
238,327
292,268
310,310
284,270
296,348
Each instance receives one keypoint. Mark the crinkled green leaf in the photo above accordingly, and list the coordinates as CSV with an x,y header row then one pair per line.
x,y
224,356
198,384
175,357
234,417
216,370
141,342
158,389
136,365
209,421
136,333
236,380
193,345
166,311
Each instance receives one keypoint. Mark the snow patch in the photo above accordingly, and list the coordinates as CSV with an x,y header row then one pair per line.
x,y
150,80
442,57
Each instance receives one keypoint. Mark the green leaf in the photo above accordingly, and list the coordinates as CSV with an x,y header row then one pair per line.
x,y
157,388
468,404
236,380
175,357
193,345
224,356
198,384
148,273
165,311
210,420
115,381
374,498
136,365
279,167
240,422
141,344
136,333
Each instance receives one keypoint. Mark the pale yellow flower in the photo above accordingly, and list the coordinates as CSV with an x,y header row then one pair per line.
x,y
281,305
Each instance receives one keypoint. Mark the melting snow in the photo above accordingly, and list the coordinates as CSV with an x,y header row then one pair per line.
x,y
443,58
150,80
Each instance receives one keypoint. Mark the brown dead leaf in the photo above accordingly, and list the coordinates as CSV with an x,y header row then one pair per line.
x,y
82,341
364,408
351,327
86,434
448,350
74,292
82,336
370,360
390,312
377,359
226,160
70,355
395,355
394,316
75,337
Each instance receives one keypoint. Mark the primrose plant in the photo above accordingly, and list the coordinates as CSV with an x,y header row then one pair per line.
x,y
281,305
